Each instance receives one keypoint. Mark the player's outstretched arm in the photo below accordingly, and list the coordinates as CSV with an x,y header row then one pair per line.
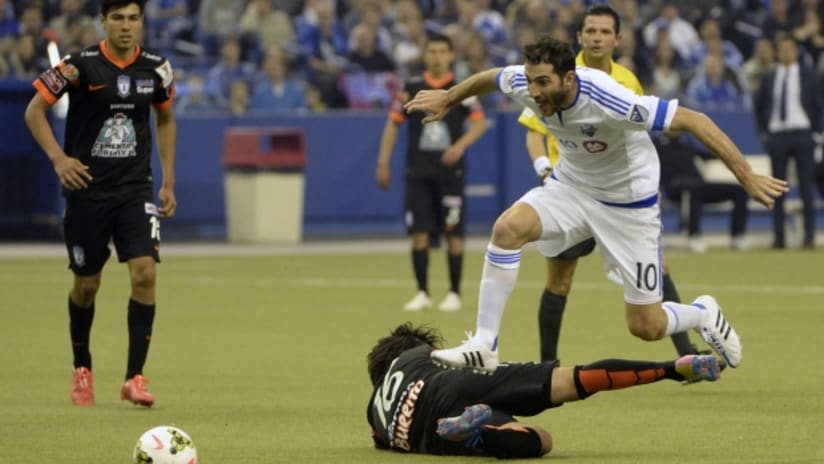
x,y
383,174
762,188
439,102
70,171
166,139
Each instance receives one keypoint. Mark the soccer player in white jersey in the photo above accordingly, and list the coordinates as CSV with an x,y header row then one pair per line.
x,y
605,186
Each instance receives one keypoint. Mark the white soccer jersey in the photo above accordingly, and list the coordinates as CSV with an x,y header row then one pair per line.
x,y
604,146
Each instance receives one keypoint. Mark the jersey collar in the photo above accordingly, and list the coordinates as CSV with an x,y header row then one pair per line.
x,y
437,83
118,62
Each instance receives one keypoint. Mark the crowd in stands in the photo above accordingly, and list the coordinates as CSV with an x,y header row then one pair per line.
x,y
243,56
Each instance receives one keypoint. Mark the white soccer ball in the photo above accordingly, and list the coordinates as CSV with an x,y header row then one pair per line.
x,y
165,444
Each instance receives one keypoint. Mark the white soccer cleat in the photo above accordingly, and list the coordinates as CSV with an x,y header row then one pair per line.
x,y
471,354
419,302
451,303
718,333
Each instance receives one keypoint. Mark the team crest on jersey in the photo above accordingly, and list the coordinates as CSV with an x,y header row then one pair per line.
x,y
124,84
595,146
588,129
78,256
639,114
144,86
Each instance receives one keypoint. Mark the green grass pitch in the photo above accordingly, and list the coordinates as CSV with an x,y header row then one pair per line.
x,y
261,359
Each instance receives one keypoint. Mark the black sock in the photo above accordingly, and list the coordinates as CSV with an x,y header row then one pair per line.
x,y
550,314
503,442
420,263
455,267
681,340
80,327
614,374
141,318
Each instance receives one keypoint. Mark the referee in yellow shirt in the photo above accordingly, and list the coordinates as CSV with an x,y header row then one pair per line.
x,y
598,36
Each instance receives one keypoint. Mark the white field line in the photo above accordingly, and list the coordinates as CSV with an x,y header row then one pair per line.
x,y
233,281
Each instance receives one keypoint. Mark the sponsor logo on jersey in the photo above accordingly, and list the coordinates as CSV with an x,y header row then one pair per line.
x,y
78,256
151,56
404,419
96,87
124,84
121,106
89,53
639,114
150,208
595,146
588,129
116,139
164,71
144,86
54,81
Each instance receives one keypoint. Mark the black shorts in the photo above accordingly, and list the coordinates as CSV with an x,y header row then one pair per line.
x,y
435,206
129,220
520,389
577,251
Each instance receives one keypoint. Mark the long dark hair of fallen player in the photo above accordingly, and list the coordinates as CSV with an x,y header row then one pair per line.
x,y
402,338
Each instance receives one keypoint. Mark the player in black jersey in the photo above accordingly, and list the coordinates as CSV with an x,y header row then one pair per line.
x,y
434,196
105,169
419,407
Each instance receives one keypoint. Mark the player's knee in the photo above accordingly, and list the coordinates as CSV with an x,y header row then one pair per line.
x,y
511,231
143,277
85,290
559,284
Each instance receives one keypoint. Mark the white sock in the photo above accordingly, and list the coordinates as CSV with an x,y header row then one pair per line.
x,y
498,280
682,317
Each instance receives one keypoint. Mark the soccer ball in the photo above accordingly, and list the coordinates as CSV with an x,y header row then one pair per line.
x,y
165,445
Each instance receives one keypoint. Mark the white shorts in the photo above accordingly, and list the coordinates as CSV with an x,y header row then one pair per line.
x,y
629,238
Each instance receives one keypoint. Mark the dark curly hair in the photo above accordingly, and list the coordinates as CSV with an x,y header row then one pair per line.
x,y
552,51
403,337
106,5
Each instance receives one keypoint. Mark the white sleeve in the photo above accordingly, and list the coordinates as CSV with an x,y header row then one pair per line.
x,y
512,82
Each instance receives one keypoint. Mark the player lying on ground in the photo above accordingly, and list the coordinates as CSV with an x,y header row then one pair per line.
x,y
419,407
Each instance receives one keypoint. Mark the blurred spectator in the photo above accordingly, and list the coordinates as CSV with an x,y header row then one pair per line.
x,y
682,183
192,96
267,25
8,22
474,59
409,48
238,103
528,13
712,90
710,32
370,13
70,19
366,56
666,79
324,47
808,34
524,35
478,15
789,112
273,89
217,21
313,99
680,33
778,19
761,62
228,70
166,21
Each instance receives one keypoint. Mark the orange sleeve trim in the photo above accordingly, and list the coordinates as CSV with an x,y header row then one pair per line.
x,y
163,105
44,92
397,117
476,115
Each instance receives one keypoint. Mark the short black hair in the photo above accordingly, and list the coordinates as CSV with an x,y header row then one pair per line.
x,y
403,337
602,10
436,38
107,5
551,51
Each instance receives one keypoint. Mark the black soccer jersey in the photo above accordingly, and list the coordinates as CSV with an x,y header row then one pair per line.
x,y
405,407
426,143
107,125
